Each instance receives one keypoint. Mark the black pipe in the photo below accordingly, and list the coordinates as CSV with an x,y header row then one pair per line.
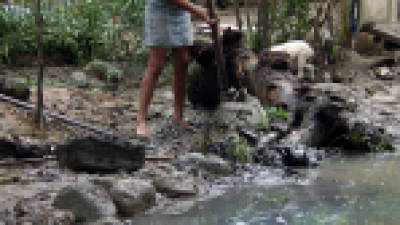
x,y
62,118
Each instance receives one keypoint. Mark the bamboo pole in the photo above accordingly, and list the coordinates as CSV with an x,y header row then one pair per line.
x,y
39,106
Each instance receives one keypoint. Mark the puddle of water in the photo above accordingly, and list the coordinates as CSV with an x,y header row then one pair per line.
x,y
356,190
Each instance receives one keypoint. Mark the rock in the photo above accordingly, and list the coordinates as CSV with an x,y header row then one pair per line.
x,y
295,157
132,195
384,73
79,78
176,185
16,88
239,113
104,71
39,210
101,154
216,165
108,221
19,149
169,181
86,201
250,136
365,44
105,182
212,164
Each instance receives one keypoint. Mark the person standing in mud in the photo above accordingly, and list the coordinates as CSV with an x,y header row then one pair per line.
x,y
167,26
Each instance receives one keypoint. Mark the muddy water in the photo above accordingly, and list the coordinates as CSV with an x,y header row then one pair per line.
x,y
350,190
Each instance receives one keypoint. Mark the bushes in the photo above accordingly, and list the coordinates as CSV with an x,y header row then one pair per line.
x,y
79,31
16,33
237,149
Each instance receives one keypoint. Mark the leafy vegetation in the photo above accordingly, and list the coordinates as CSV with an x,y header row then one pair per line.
x,y
280,21
80,31
270,114
291,21
275,113
386,146
238,150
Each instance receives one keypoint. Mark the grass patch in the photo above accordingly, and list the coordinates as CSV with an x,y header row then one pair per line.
x,y
238,149
386,146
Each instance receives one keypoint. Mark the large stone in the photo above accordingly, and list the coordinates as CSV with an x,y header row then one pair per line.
x,y
216,165
38,209
109,221
176,185
212,164
15,88
168,180
79,78
86,201
239,113
101,154
132,195
19,149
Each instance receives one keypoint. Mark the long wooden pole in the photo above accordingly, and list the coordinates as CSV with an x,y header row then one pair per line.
x,y
39,106
219,56
238,15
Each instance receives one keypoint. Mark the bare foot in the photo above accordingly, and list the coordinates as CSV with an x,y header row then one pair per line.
x,y
141,130
185,125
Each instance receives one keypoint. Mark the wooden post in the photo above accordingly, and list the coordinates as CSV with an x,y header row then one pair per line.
x,y
238,16
345,26
39,106
246,5
264,21
219,56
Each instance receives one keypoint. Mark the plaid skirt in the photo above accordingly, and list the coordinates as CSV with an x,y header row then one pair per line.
x,y
167,25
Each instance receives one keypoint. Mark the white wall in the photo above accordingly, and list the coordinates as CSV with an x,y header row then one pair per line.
x,y
380,11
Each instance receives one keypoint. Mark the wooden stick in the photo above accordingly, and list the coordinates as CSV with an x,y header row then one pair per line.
x,y
219,56
39,107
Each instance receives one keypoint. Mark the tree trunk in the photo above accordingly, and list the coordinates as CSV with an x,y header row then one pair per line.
x,y
264,24
246,5
238,16
219,57
317,36
345,26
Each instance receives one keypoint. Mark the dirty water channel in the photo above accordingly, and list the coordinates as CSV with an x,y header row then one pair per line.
x,y
342,190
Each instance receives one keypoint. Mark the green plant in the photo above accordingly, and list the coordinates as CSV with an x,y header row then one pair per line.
x,y
275,112
261,122
80,31
288,20
386,145
16,34
269,114
113,75
238,150
253,39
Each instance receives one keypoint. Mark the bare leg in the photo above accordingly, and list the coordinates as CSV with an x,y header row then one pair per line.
x,y
154,67
180,63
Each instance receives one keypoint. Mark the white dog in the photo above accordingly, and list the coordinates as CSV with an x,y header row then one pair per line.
x,y
299,52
